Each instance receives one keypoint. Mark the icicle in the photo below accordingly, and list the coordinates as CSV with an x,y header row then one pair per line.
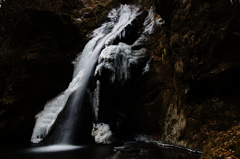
x,y
120,36
123,33
96,100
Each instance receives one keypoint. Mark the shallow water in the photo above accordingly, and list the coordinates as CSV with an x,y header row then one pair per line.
x,y
129,150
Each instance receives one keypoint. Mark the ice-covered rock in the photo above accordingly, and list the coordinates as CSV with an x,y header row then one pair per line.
x,y
118,59
102,133
152,21
147,67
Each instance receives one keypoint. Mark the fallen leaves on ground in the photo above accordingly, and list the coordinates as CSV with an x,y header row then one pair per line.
x,y
223,143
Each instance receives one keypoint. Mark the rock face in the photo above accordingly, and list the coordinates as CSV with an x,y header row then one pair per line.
x,y
175,123
189,90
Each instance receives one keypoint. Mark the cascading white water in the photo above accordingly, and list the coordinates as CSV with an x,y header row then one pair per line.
x,y
84,64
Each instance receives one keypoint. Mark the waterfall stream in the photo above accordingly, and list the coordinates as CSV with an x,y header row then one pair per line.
x,y
108,51
84,66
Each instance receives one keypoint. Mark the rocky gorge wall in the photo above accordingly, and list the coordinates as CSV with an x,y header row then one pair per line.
x,y
191,92
188,98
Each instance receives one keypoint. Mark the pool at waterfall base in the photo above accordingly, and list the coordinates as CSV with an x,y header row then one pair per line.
x,y
125,150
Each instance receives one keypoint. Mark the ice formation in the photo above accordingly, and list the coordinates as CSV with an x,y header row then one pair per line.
x,y
83,66
148,139
147,67
110,59
235,1
102,133
151,21
96,98
118,59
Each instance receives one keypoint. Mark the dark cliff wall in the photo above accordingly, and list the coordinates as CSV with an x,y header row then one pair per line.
x,y
191,93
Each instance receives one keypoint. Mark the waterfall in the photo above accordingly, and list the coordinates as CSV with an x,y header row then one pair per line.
x,y
83,69
107,50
